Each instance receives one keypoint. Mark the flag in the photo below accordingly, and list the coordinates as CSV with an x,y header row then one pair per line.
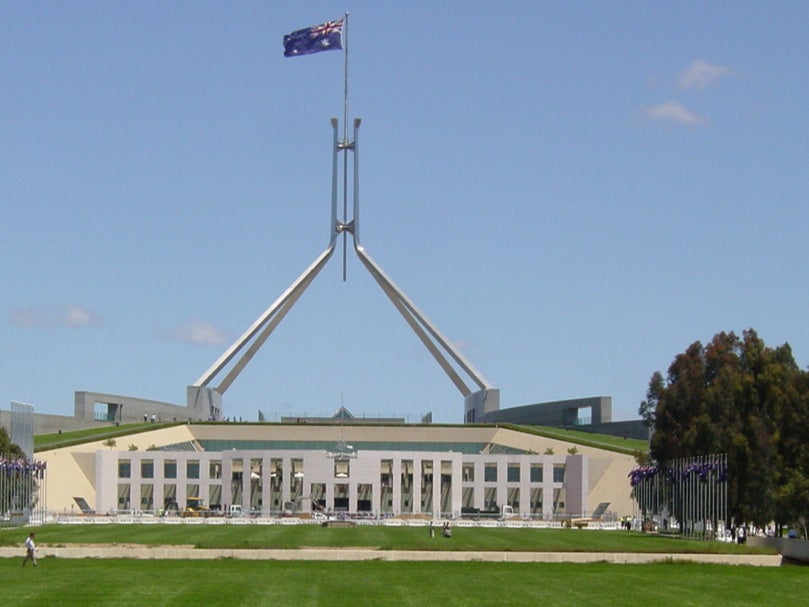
x,y
325,37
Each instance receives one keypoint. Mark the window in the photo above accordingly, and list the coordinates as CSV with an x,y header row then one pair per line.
x,y
192,468
558,500
446,487
236,476
468,473
170,496
467,499
513,498
536,501
147,497
490,473
147,468
386,473
170,468
318,493
296,480
256,484
426,486
341,497
513,473
123,496
191,490
386,486
276,483
342,468
536,473
215,497
490,499
365,497
407,486
215,469
558,473
124,468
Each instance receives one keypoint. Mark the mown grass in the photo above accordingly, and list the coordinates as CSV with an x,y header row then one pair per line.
x,y
45,442
627,446
380,537
229,582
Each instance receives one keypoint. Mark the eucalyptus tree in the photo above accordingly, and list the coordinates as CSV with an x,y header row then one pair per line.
x,y
737,396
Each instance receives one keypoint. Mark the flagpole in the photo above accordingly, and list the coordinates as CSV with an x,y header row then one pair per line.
x,y
345,88
345,143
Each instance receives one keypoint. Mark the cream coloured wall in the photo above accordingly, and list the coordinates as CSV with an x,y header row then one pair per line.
x,y
72,470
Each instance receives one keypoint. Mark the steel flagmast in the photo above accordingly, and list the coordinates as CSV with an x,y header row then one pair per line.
x,y
345,142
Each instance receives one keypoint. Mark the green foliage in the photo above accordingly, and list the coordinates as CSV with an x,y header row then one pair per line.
x,y
7,448
739,397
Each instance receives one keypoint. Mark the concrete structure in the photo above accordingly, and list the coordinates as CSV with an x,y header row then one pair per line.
x,y
96,409
185,553
593,414
479,395
342,416
380,470
793,549
95,406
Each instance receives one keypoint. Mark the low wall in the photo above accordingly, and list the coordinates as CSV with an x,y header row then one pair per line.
x,y
45,423
794,549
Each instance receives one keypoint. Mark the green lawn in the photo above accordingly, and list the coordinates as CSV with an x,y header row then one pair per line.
x,y
628,446
44,442
381,537
228,582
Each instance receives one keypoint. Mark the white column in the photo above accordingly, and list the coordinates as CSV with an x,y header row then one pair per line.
x,y
397,485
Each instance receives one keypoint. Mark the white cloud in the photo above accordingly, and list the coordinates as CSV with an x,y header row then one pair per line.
x,y
700,74
75,316
674,111
200,333
47,318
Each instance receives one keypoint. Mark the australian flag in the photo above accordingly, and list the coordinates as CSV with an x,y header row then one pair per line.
x,y
325,37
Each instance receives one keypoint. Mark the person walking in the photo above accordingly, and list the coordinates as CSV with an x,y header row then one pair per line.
x,y
30,551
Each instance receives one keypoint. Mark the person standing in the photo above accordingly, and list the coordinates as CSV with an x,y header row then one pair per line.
x,y
30,551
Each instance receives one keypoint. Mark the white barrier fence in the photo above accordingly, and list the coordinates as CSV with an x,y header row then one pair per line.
x,y
388,522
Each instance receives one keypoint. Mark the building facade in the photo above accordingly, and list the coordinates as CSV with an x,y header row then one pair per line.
x,y
377,470
375,483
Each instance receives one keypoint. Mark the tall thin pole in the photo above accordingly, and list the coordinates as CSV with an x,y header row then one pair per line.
x,y
345,87
345,144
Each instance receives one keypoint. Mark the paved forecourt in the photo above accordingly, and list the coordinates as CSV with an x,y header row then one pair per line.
x,y
372,554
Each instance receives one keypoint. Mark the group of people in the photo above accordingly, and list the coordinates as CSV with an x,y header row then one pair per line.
x,y
446,531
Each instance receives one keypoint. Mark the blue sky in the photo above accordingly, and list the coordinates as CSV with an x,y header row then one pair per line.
x,y
572,192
